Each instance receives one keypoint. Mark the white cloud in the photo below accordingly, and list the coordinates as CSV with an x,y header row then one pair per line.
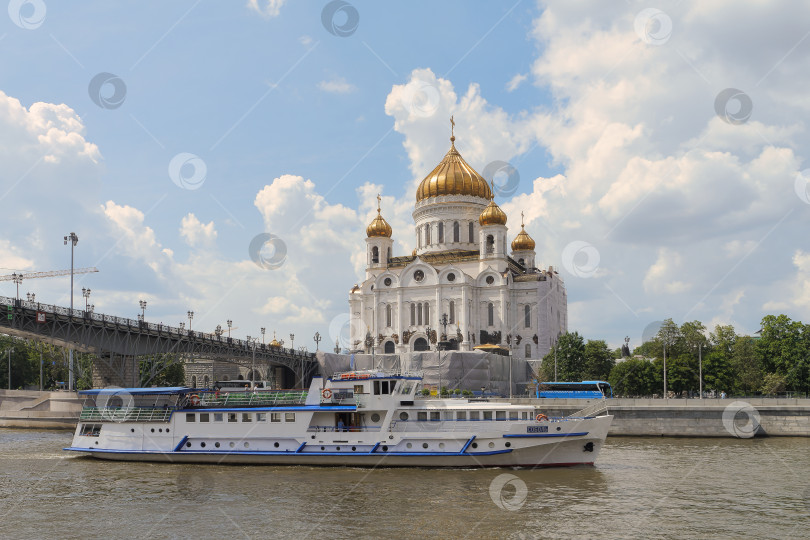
x,y
266,8
338,85
195,233
516,81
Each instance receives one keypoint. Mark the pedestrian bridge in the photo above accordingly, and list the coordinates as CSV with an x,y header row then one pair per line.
x,y
117,342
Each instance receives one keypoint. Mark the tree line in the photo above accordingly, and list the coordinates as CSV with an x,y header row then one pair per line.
x,y
776,361
25,356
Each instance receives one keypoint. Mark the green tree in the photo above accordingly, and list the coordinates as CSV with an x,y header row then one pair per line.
x,y
782,350
718,373
745,366
632,377
598,361
570,356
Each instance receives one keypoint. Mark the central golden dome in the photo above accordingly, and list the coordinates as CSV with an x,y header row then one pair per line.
x,y
453,176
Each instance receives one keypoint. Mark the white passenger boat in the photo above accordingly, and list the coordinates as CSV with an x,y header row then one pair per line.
x,y
368,418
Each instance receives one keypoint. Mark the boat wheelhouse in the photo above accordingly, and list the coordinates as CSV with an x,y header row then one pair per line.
x,y
368,418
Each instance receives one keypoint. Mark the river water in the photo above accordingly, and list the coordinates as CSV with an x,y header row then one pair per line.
x,y
639,488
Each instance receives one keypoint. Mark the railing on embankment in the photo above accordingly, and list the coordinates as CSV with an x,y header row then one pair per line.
x,y
692,417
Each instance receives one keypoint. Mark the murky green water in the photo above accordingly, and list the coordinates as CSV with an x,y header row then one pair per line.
x,y
640,488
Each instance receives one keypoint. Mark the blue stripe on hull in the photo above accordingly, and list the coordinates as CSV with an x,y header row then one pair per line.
x,y
533,435
290,453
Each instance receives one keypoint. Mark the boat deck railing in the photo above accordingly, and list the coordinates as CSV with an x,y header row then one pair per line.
x,y
593,409
263,398
125,414
333,429
452,425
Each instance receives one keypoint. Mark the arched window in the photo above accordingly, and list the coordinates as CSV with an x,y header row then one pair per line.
x,y
427,234
419,237
427,313
389,347
375,255
441,232
389,256
490,314
388,315
528,350
472,232
413,314
419,313
206,381
194,381
522,262
490,243
527,316
420,344
456,231
452,310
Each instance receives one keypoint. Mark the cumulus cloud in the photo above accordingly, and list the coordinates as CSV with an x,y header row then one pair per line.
x,y
195,233
266,8
516,81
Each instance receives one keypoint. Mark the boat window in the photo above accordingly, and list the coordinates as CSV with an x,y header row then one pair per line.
x,y
403,416
190,417
461,415
91,430
376,388
405,387
261,417
375,418
513,415
275,417
247,417
524,415
474,415
232,417
434,416
289,417
358,389
218,417
205,417
487,415
383,387
500,415
421,416
448,415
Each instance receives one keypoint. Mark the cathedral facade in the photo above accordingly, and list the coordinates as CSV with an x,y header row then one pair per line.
x,y
462,286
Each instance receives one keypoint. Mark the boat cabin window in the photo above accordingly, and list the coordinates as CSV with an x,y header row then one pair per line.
x,y
461,415
91,430
247,417
448,415
500,415
487,415
218,417
524,415
232,417
513,415
261,417
275,417
383,387
405,387
358,389
434,416
289,417
474,415
205,417
190,417
403,416
421,416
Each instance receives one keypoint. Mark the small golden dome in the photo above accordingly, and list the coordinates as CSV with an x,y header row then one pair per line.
x,y
523,242
274,342
492,215
378,226
453,176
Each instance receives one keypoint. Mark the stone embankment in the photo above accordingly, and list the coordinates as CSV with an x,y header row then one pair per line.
x,y
693,417
34,409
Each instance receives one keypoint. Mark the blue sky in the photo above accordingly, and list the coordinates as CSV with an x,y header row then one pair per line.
x,y
612,126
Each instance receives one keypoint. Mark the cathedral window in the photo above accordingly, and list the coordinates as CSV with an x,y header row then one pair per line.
x,y
472,232
490,244
528,351
527,316
427,313
389,256
490,314
456,232
441,232
388,315
419,313
522,262
452,311
375,255
413,314
427,234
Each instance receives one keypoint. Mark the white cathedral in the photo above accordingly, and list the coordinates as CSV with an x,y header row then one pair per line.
x,y
460,285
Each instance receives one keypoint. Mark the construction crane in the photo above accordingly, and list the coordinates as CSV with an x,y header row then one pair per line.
x,y
18,278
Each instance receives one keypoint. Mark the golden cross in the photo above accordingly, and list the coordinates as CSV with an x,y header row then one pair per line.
x,y
378,202
521,218
452,126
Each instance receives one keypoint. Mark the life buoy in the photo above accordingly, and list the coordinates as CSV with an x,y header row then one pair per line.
x,y
195,399
540,417
326,393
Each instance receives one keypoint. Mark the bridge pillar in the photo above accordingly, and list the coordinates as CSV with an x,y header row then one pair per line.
x,y
115,370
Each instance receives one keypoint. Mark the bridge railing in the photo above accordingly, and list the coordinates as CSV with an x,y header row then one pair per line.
x,y
245,345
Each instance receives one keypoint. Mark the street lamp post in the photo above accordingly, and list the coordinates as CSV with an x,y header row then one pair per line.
x,y
700,368
86,294
9,367
17,278
665,369
229,323
218,331
31,296
263,330
292,341
73,239
190,317
143,309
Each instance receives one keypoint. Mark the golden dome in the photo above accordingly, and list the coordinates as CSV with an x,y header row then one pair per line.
x,y
523,242
492,215
274,342
378,226
453,176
